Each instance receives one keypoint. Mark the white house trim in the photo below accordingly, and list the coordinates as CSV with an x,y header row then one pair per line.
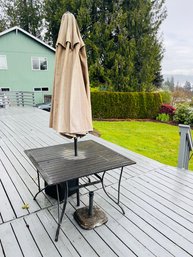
x,y
16,28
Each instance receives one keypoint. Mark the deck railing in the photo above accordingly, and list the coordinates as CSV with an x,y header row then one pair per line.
x,y
17,98
3,100
186,146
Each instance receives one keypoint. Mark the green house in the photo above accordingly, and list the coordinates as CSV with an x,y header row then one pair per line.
x,y
26,63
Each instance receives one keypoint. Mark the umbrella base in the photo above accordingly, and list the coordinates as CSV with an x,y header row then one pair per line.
x,y
97,219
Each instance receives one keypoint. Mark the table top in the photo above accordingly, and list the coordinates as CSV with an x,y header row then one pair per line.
x,y
57,163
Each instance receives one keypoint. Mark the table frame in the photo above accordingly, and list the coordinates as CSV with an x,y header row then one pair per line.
x,y
39,162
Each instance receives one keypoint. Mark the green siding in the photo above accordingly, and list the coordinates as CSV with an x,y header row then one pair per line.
x,y
19,48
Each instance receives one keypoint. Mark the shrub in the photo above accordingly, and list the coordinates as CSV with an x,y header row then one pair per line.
x,y
166,97
168,109
164,117
184,114
119,105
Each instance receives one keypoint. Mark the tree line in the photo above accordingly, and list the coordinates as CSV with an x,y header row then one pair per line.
x,y
122,37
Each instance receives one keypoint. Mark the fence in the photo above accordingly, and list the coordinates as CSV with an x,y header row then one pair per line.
x,y
186,146
17,98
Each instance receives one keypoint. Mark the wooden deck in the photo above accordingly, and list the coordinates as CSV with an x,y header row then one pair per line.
x,y
158,201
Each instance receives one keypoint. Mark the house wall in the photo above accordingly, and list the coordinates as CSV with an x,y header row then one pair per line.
x,y
19,48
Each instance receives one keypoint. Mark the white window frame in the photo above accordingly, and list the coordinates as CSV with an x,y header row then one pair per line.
x,y
39,61
5,67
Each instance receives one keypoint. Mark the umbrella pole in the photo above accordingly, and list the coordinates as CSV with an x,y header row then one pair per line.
x,y
75,146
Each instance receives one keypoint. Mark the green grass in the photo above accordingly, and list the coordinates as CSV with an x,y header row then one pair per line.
x,y
155,140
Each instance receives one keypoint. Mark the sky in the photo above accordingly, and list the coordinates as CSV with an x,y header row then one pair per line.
x,y
177,34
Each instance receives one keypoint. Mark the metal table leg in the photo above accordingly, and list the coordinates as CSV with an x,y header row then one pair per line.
x,y
60,216
38,180
119,185
40,190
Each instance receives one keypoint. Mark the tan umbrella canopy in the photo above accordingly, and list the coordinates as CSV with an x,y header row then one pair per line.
x,y
71,108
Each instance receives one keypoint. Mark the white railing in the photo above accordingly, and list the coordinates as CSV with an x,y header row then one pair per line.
x,y
186,146
18,98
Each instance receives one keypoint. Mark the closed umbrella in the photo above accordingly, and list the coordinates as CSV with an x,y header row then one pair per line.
x,y
71,108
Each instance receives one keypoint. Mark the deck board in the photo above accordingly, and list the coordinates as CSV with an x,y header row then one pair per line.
x,y
30,248
7,212
157,200
9,242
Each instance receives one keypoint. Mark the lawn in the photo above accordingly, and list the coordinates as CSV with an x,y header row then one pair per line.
x,y
155,140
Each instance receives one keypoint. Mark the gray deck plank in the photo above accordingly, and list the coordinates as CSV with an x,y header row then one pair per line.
x,y
157,199
173,242
6,210
14,170
179,189
41,237
162,198
144,203
154,201
9,241
2,254
75,237
94,239
25,239
118,230
5,130
150,238
30,180
12,192
182,201
178,177
64,245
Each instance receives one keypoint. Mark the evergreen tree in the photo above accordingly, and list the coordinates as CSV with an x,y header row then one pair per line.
x,y
26,14
121,37
187,86
53,11
169,84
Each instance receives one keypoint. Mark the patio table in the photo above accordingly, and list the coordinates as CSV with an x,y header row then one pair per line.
x,y
57,165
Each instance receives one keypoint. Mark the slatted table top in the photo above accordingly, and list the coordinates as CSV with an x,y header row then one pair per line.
x,y
57,163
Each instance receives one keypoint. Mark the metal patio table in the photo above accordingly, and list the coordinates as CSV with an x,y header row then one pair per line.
x,y
57,165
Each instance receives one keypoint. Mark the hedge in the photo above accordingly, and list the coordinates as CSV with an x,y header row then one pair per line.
x,y
118,105
166,97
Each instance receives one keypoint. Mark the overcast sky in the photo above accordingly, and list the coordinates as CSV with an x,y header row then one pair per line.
x,y
178,38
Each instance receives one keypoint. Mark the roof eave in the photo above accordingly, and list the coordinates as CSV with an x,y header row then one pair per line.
x,y
28,34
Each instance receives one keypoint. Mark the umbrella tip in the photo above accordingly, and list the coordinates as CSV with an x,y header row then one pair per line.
x,y
67,12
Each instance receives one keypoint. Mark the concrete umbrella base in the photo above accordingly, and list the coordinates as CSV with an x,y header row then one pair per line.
x,y
86,221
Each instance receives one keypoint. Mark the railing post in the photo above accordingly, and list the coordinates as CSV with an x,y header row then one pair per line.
x,y
185,146
22,98
33,98
17,98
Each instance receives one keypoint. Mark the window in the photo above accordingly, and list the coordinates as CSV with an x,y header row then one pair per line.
x,y
41,89
45,89
4,89
37,89
39,63
3,62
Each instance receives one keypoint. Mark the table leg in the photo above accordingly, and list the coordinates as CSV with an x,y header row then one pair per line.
x,y
119,185
78,197
38,174
39,192
60,217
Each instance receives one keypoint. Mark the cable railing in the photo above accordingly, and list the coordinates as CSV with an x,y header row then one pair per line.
x,y
186,146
